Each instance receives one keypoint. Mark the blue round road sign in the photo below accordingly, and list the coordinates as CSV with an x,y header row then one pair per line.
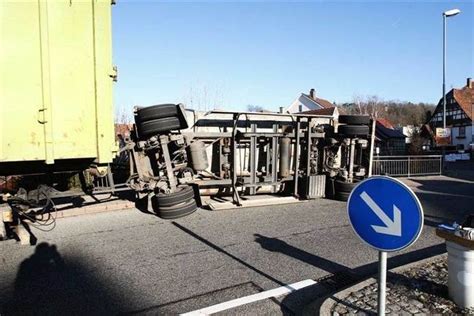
x,y
385,213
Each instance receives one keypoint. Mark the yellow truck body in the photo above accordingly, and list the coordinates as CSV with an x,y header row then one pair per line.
x,y
56,78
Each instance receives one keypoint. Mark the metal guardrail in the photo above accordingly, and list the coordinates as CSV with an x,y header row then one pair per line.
x,y
407,166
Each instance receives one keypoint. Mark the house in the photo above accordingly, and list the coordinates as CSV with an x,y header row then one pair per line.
x,y
389,140
309,102
122,130
459,115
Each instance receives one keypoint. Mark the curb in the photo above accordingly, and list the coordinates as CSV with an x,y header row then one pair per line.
x,y
328,301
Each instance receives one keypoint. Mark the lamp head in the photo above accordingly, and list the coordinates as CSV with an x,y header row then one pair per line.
x,y
451,12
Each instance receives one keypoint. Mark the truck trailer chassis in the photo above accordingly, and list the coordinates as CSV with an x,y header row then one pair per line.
x,y
244,153
174,160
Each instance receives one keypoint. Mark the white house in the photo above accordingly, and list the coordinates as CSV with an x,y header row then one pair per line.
x,y
308,102
459,115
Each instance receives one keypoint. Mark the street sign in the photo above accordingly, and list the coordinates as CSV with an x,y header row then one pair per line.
x,y
385,213
443,136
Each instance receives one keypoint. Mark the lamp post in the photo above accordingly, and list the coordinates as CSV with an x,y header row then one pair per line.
x,y
446,14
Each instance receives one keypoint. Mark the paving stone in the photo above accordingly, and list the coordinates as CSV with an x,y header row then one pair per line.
x,y
419,290
413,310
351,299
416,303
395,308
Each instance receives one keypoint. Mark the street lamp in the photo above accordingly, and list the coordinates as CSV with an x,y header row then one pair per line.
x,y
446,14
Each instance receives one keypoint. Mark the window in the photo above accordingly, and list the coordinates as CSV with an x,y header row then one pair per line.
x,y
462,131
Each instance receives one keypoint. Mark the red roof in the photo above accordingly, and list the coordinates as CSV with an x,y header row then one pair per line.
x,y
385,123
123,129
324,103
465,98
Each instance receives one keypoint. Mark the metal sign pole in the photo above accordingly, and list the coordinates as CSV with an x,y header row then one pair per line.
x,y
386,214
382,281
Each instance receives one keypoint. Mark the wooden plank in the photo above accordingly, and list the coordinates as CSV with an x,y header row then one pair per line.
x,y
456,239
265,200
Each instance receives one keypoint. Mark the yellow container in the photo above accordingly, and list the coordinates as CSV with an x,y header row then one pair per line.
x,y
56,78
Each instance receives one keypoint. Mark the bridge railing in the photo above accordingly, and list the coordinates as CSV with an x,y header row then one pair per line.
x,y
407,166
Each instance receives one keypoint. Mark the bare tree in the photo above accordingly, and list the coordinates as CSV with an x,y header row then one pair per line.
x,y
397,112
123,116
370,105
256,108
203,97
416,142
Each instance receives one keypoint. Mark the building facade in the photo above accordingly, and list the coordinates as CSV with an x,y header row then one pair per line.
x,y
389,140
459,112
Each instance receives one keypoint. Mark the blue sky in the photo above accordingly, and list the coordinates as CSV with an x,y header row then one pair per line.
x,y
232,54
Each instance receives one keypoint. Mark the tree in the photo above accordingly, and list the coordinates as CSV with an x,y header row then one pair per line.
x,y
416,142
397,112
256,108
123,116
203,97
371,105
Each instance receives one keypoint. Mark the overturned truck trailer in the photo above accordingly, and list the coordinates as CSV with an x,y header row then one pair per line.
x,y
242,154
56,111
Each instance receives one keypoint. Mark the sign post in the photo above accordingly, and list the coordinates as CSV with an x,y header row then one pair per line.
x,y
387,216
382,282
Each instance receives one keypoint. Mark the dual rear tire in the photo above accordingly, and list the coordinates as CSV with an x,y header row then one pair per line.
x,y
158,119
356,125
343,189
175,205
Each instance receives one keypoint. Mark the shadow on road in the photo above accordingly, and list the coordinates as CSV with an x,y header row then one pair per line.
x,y
219,249
445,200
48,284
460,170
340,275
277,245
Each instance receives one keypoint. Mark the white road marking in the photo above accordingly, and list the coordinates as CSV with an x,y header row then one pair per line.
x,y
251,298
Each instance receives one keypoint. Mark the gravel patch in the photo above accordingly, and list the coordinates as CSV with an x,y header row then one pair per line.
x,y
420,290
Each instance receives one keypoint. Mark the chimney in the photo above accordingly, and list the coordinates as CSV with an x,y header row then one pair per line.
x,y
470,83
300,108
312,94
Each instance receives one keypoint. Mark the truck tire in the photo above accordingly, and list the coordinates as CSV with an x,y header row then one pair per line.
x,y
354,119
353,130
156,111
342,196
176,211
182,194
341,186
157,126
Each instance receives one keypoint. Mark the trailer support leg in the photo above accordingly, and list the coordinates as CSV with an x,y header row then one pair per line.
x,y
296,158
169,167
235,194
253,159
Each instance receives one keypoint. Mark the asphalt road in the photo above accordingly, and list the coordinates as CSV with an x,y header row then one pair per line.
x,y
135,263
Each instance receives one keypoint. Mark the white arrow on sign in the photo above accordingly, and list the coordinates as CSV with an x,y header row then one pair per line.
x,y
391,227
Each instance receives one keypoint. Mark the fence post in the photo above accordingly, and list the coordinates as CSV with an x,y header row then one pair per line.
x,y
408,166
440,165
